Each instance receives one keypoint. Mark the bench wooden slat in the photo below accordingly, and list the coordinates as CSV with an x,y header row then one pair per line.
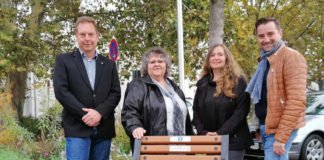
x,y
194,149
180,157
182,140
181,148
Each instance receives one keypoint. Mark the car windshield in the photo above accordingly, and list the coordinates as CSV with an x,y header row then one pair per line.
x,y
315,104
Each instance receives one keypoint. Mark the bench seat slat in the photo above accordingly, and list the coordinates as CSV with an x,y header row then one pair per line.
x,y
194,149
182,140
180,157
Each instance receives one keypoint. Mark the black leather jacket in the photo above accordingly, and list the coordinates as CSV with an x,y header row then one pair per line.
x,y
144,107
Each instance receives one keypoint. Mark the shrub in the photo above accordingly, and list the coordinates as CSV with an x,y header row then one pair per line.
x,y
29,123
49,142
121,148
122,140
50,122
7,137
11,133
44,149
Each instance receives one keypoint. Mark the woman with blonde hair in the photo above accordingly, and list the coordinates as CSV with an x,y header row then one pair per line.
x,y
220,105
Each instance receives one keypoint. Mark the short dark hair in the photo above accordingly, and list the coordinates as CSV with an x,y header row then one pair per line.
x,y
266,20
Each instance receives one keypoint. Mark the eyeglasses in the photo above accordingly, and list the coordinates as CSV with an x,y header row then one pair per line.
x,y
156,61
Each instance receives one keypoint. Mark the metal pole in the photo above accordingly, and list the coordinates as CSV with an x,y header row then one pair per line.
x,y
180,44
34,94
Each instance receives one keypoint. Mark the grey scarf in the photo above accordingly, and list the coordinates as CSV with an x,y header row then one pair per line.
x,y
178,124
255,85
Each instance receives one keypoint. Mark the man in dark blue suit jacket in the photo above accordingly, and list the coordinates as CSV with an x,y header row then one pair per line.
x,y
87,85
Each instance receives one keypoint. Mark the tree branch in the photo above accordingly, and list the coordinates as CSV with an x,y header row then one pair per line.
x,y
288,10
307,27
275,8
288,24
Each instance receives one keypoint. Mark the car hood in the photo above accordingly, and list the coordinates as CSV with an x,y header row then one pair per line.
x,y
313,123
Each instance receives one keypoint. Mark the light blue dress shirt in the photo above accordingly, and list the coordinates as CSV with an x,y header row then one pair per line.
x,y
90,65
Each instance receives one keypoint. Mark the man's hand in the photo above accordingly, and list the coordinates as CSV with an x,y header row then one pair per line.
x,y
92,118
279,148
138,133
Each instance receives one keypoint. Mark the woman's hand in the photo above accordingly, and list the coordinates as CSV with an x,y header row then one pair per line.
x,y
138,133
211,134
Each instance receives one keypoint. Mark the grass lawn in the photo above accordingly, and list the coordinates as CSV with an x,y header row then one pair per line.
x,y
11,155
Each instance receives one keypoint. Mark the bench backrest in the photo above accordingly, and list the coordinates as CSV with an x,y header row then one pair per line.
x,y
181,148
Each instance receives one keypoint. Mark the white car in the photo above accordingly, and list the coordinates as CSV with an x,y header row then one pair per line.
x,y
309,143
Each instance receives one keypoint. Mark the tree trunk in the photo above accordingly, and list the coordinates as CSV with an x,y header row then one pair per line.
x,y
321,85
216,22
16,86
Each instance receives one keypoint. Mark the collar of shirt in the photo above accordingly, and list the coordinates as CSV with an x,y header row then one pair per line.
x,y
83,55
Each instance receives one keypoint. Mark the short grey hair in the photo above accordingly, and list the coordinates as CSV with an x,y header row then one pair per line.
x,y
156,51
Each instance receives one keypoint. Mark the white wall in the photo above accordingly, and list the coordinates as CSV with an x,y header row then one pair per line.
x,y
39,96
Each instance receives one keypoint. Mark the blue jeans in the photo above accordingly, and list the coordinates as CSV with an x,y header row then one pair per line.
x,y
268,140
87,148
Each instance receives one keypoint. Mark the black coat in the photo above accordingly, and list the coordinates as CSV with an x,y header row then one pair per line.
x,y
73,90
144,107
222,114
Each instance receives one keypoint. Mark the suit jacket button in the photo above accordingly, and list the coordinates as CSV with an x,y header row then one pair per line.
x,y
94,95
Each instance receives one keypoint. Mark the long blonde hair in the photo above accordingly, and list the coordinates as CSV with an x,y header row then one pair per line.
x,y
231,73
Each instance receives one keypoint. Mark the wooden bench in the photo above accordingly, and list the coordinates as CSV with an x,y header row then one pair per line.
x,y
181,148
